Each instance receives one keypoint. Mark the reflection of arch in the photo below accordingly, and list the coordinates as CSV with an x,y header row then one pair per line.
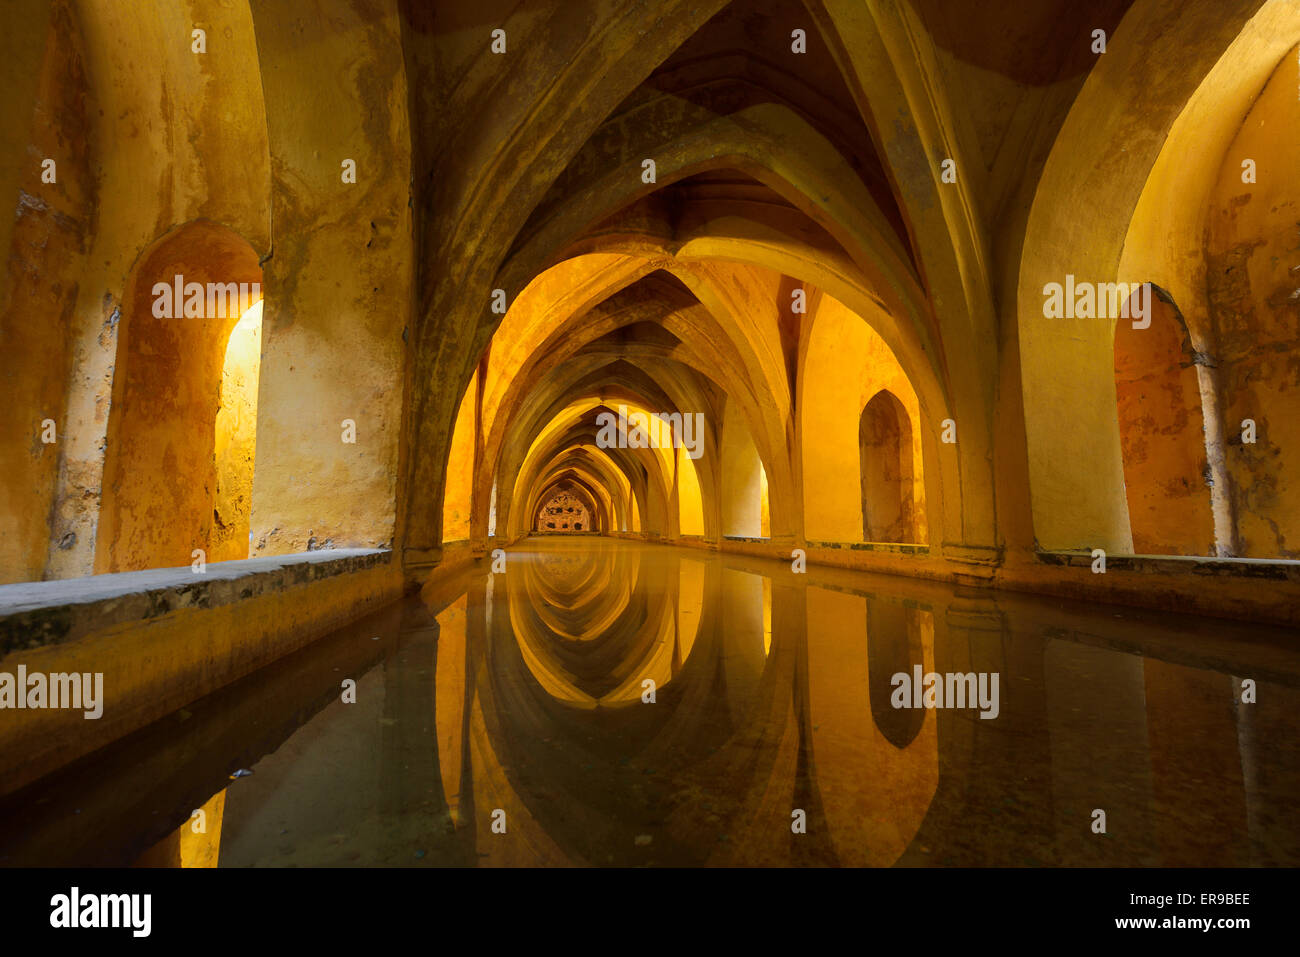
x,y
160,465
893,647
1162,434
885,443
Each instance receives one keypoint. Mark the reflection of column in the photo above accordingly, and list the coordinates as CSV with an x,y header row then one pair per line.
x,y
185,848
995,773
1192,734
1096,716
768,769
497,738
449,703
691,580
479,595
409,785
1270,770
741,629
874,794
1248,746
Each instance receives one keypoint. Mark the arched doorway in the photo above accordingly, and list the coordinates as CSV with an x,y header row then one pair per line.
x,y
885,444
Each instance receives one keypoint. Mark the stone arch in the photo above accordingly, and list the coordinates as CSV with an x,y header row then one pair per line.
x,y
160,471
1205,63
636,480
1252,270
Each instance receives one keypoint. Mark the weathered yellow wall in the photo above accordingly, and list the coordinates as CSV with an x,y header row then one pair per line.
x,y
1121,198
338,286
1165,243
1162,433
22,54
188,144
1253,272
46,239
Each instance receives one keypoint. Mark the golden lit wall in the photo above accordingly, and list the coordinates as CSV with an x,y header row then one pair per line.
x,y
690,502
743,492
846,363
457,499
236,439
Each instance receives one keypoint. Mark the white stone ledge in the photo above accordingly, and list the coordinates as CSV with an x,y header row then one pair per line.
x,y
33,614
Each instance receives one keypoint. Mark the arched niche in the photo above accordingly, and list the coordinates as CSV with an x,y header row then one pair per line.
x,y
161,471
1162,434
885,447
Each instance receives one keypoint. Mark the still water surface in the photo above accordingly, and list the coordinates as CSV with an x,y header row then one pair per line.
x,y
518,702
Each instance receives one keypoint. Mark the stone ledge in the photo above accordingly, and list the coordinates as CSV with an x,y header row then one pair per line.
x,y
36,614
899,548
162,640
1277,569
